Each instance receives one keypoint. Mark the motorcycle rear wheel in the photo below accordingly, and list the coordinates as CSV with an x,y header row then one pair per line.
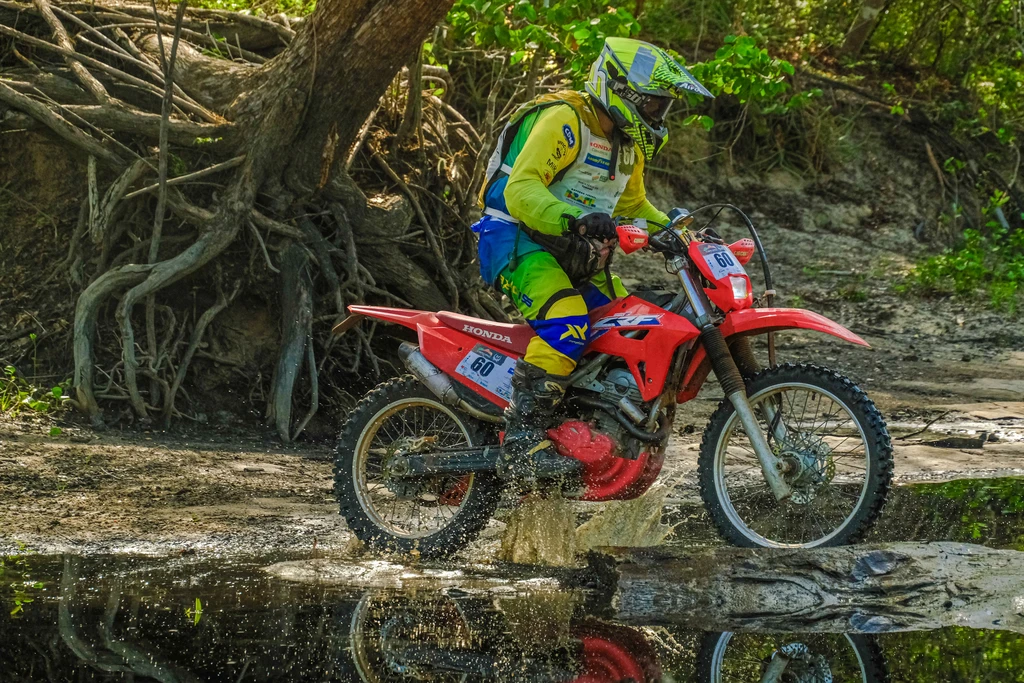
x,y
433,516
831,436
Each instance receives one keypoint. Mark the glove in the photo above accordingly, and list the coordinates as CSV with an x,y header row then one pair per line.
x,y
595,225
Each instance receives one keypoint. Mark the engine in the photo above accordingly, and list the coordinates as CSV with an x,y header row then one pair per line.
x,y
619,383
616,465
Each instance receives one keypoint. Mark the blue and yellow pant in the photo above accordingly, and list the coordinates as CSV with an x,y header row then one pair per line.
x,y
555,309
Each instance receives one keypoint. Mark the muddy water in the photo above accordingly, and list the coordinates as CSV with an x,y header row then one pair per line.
x,y
191,618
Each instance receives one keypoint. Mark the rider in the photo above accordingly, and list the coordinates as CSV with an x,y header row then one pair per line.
x,y
563,166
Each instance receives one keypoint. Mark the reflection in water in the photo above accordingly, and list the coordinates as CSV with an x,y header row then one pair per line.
x,y
144,619
111,621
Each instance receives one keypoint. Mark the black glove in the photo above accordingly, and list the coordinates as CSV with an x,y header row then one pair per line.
x,y
597,225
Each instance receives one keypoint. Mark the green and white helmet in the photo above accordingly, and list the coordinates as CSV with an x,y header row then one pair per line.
x,y
635,83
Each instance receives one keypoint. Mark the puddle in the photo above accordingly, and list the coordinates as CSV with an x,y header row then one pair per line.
x,y
121,619
187,618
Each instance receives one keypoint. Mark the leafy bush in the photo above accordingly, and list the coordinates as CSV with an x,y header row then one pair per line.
x,y
989,262
17,588
571,32
17,394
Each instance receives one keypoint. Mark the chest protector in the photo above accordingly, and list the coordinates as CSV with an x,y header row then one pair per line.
x,y
593,181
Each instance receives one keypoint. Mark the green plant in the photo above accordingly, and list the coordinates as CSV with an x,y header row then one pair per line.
x,y
743,69
35,353
756,103
897,108
989,262
16,393
571,32
16,585
195,613
853,294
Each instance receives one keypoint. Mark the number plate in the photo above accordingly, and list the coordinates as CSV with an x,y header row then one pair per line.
x,y
490,369
720,260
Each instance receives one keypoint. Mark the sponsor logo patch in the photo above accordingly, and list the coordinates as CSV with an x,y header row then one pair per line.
x,y
597,161
575,332
569,137
560,149
487,334
580,198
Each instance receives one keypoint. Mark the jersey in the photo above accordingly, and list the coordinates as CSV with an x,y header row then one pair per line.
x,y
551,161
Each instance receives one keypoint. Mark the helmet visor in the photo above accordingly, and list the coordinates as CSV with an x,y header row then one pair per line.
x,y
655,109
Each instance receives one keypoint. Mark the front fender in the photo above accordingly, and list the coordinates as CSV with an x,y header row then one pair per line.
x,y
752,321
763,320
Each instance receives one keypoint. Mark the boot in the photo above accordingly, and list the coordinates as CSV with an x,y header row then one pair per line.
x,y
526,452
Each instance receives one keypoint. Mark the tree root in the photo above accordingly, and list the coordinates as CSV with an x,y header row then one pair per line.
x,y
252,125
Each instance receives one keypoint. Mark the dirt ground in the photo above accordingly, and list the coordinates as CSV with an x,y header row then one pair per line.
x,y
233,493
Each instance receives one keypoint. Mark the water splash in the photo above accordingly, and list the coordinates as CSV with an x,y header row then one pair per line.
x,y
627,523
542,530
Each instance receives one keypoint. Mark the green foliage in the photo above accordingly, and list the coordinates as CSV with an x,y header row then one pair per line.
x,y
17,394
954,655
898,108
989,262
570,32
853,293
746,71
260,9
16,586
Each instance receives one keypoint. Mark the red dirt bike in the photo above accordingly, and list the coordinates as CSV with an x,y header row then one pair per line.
x,y
795,455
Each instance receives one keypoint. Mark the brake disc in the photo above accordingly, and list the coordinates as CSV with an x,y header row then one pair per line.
x,y
805,666
814,467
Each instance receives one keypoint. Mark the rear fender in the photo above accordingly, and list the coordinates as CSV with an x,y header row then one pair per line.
x,y
444,347
753,321
400,316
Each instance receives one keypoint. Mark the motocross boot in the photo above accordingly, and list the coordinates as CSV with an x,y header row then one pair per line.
x,y
526,452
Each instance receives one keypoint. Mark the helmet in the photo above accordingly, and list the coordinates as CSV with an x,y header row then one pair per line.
x,y
635,83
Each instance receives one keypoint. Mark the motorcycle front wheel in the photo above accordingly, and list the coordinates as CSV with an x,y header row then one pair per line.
x,y
814,657
833,443
433,515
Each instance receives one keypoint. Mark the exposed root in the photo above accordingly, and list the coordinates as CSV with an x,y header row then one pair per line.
x,y
196,132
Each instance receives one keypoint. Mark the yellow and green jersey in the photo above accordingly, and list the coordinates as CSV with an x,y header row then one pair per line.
x,y
553,160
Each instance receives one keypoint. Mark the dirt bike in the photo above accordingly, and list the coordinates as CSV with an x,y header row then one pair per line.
x,y
428,637
796,455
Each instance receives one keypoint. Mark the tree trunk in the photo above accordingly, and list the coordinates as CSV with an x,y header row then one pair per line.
x,y
888,587
862,27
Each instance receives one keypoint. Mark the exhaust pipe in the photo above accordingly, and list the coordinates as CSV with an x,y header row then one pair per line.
x,y
439,383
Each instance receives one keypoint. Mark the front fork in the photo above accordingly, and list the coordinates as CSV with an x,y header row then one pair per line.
x,y
732,384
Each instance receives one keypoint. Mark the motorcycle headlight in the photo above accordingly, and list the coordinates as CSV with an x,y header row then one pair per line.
x,y
739,287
